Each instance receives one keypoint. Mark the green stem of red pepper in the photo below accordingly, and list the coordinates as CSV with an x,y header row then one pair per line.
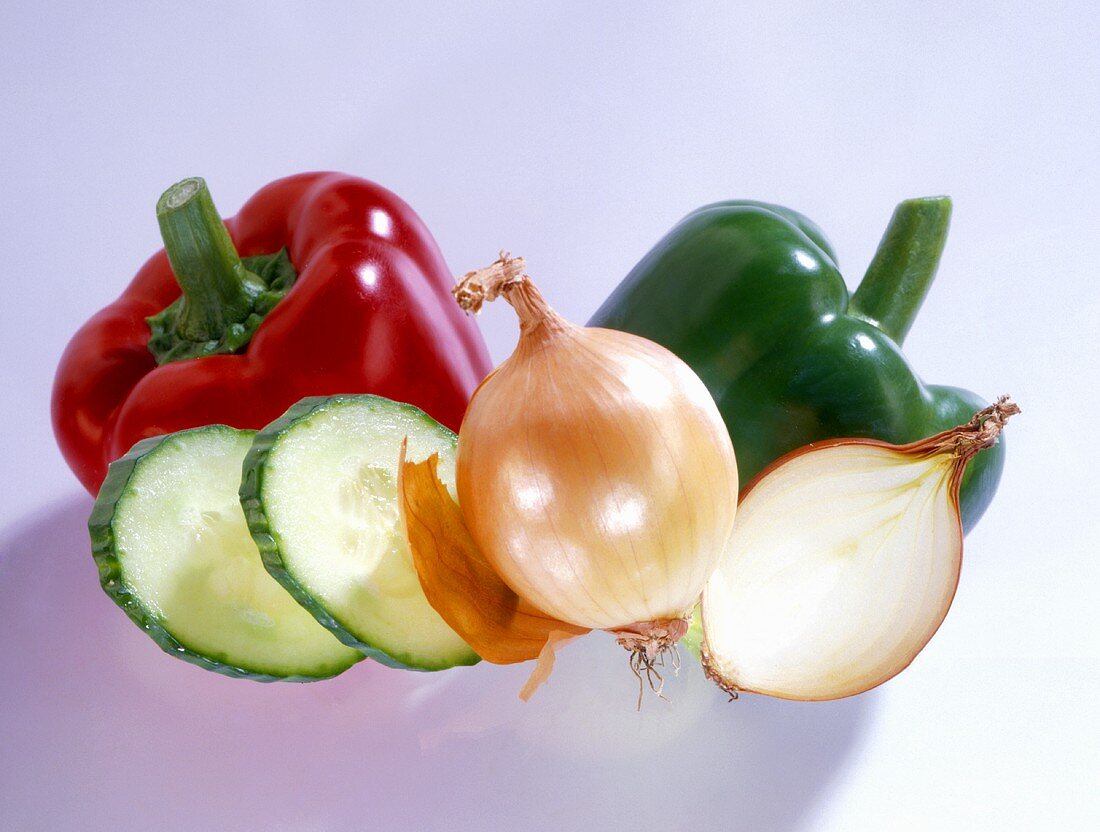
x,y
224,299
217,289
902,270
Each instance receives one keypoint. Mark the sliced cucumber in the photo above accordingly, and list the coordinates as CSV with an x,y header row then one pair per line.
x,y
320,494
174,552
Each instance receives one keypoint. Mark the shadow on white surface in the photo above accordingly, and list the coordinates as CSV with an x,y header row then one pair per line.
x,y
99,729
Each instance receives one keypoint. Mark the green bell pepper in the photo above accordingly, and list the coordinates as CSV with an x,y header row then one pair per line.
x,y
751,297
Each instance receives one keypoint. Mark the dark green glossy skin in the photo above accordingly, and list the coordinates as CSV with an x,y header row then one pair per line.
x,y
750,296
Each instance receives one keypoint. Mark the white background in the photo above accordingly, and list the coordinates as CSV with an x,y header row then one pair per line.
x,y
575,134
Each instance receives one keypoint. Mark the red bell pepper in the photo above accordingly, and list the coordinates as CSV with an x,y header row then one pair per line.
x,y
362,305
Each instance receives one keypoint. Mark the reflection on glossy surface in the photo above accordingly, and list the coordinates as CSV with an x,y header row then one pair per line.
x,y
381,223
368,276
100,730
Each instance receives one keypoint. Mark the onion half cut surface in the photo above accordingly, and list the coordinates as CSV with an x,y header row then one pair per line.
x,y
843,563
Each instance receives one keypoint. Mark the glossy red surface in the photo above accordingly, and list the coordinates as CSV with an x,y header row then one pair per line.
x,y
371,312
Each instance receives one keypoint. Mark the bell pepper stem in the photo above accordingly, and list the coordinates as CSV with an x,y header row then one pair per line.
x,y
218,290
902,270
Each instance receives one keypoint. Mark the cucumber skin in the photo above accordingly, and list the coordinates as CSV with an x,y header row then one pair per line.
x,y
252,482
101,530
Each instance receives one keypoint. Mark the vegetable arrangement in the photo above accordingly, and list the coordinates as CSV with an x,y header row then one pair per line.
x,y
594,476
593,482
751,297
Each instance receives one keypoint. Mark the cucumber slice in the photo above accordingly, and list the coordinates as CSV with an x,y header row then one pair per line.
x,y
174,552
320,494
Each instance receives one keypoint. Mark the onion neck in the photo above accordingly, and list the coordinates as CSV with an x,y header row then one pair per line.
x,y
965,441
505,276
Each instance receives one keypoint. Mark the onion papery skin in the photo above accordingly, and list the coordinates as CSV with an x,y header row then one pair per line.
x,y
843,564
595,473
460,584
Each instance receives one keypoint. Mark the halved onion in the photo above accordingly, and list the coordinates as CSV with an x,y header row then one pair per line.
x,y
842,564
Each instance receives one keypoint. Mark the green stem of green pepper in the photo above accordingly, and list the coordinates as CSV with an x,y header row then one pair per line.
x,y
904,266
218,290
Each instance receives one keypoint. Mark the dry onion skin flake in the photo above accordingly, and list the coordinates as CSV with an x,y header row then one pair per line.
x,y
458,582
842,565
594,475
